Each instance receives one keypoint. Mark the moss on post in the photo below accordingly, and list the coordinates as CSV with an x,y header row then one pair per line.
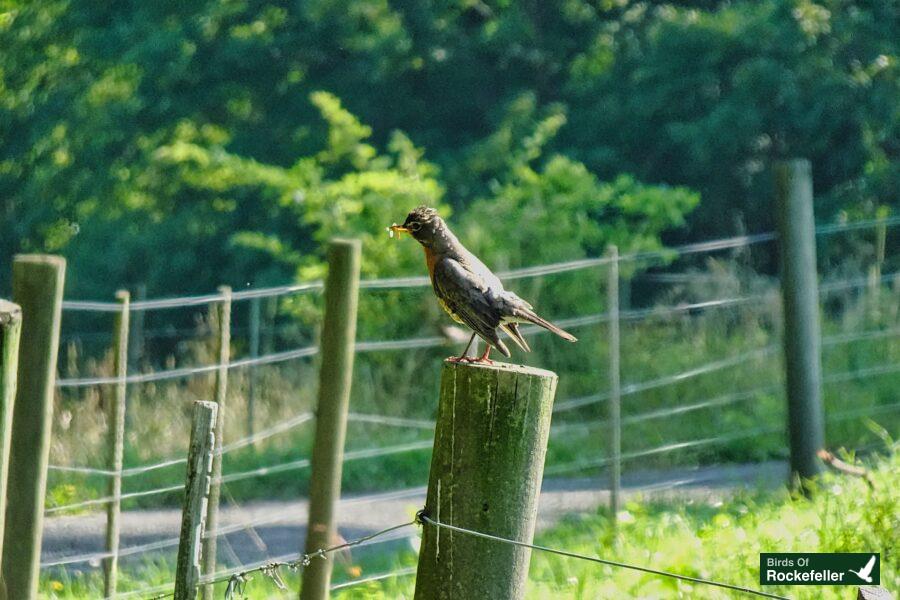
x,y
486,471
10,329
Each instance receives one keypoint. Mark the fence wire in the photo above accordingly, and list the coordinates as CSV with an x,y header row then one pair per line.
x,y
424,518
404,282
434,341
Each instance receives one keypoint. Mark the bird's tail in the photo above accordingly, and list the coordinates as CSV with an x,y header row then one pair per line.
x,y
531,317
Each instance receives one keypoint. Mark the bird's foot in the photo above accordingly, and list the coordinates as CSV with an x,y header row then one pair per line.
x,y
460,359
481,361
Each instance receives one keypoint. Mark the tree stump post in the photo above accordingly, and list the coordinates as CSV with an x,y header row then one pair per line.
x,y
490,441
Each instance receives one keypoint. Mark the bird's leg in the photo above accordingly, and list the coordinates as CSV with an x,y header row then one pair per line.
x,y
484,357
464,357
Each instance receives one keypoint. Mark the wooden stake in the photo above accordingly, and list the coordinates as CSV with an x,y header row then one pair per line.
x,y
615,391
335,376
802,343
38,288
115,441
10,330
255,318
223,318
197,487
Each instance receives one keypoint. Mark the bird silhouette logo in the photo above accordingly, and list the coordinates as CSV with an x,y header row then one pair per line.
x,y
866,572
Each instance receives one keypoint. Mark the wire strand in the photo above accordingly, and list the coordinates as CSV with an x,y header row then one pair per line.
x,y
401,282
595,559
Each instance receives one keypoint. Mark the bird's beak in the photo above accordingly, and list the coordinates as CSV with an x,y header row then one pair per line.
x,y
398,229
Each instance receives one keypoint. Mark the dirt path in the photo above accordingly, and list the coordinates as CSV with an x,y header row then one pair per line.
x,y
279,527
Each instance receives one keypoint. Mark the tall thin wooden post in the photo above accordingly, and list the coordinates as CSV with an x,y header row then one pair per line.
x,y
255,318
136,334
802,344
10,330
335,376
223,354
115,440
486,469
196,494
269,330
874,296
38,288
615,391
136,340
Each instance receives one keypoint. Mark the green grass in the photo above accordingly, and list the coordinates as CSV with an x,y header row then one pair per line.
x,y
709,539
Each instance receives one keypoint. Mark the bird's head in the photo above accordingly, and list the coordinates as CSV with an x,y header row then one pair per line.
x,y
424,224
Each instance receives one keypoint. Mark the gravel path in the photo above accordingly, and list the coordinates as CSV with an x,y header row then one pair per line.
x,y
279,527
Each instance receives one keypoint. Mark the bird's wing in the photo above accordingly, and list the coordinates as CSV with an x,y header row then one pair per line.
x,y
868,568
465,295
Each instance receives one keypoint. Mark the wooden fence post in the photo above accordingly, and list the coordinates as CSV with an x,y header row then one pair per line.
x,y
115,440
10,330
335,376
486,469
196,494
223,356
802,344
136,339
38,288
255,319
269,330
615,391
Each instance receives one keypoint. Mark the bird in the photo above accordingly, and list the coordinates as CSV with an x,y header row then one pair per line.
x,y
866,572
469,291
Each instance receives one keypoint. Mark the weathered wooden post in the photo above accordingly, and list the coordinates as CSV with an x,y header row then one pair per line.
x,y
10,330
874,296
223,356
335,376
196,494
802,344
115,440
255,318
615,391
38,288
269,330
491,437
136,339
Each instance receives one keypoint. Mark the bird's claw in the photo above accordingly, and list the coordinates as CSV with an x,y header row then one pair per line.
x,y
470,360
460,359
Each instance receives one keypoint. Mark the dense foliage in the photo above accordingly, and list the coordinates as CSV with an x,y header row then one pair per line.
x,y
191,144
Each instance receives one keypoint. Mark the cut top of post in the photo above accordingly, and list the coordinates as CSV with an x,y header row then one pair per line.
x,y
40,259
507,367
9,312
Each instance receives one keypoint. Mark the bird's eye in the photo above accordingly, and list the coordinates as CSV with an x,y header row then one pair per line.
x,y
415,226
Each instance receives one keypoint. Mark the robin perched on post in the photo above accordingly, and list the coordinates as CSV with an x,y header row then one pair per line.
x,y
470,293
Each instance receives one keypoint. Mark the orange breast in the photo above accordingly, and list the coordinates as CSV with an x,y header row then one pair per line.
x,y
430,261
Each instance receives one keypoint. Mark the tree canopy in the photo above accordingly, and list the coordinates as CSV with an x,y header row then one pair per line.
x,y
191,144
